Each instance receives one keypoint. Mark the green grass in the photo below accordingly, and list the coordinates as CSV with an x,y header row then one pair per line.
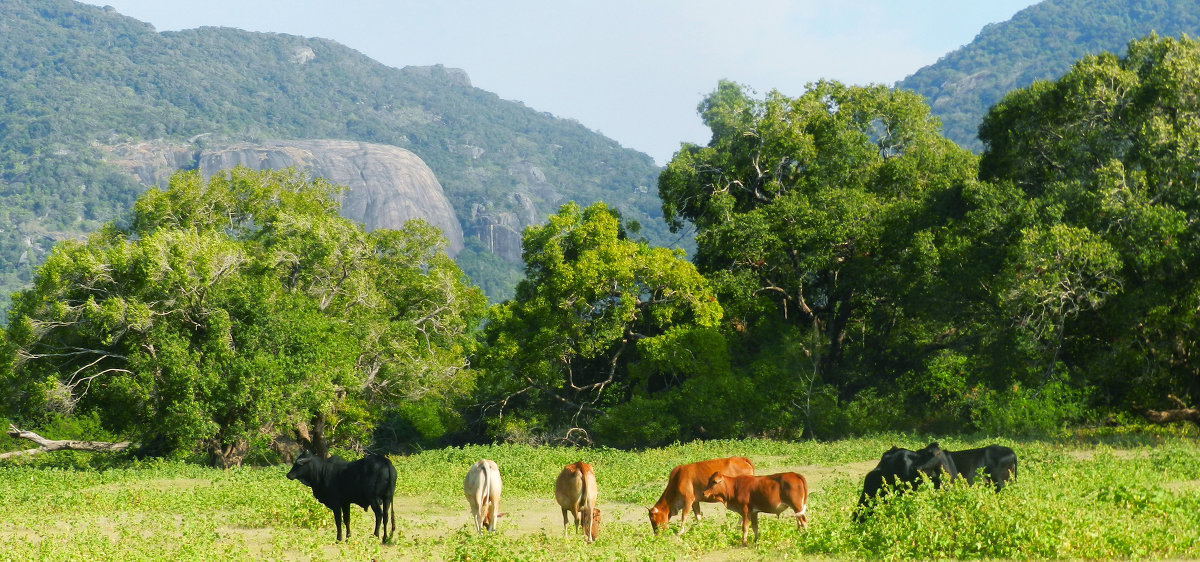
x,y
1113,495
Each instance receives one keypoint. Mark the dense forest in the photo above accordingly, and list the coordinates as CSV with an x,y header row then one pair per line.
x,y
855,271
75,78
1038,43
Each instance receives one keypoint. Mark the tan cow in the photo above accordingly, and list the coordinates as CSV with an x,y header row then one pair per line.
x,y
686,486
482,488
749,495
575,490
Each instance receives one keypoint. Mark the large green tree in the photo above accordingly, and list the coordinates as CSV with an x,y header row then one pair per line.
x,y
226,309
1106,161
599,319
820,219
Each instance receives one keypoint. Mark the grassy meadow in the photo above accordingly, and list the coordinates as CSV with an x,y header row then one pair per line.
x,y
1114,494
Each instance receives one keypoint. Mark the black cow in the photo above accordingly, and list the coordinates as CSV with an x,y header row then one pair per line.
x,y
999,463
369,481
902,465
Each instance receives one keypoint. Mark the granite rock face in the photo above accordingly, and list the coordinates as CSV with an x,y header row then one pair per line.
x,y
386,185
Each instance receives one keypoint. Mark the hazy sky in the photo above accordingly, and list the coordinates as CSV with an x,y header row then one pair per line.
x,y
633,70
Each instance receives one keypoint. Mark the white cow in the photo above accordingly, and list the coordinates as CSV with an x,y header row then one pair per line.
x,y
482,488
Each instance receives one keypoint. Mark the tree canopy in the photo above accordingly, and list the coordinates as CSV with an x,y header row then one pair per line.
x,y
1107,158
599,319
219,311
822,213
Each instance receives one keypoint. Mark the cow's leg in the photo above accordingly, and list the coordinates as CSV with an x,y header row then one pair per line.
x,y
745,526
388,513
475,513
346,519
753,523
696,510
381,516
683,513
565,521
337,521
378,511
493,513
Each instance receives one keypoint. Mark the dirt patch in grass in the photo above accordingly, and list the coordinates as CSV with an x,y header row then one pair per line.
x,y
1120,454
1183,485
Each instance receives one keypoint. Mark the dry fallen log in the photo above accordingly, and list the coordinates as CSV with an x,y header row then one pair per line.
x,y
1182,413
46,445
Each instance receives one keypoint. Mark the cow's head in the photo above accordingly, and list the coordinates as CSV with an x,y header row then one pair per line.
x,y
304,469
717,490
659,517
591,524
933,461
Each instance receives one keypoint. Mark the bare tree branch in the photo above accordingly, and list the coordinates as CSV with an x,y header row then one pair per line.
x,y
47,445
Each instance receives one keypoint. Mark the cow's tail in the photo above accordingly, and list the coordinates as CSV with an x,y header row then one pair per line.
x,y
485,505
583,489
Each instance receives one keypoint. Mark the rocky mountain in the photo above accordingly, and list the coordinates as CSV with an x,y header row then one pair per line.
x,y
77,80
1038,43
386,185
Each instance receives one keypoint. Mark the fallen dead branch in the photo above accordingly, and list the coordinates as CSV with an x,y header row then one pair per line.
x,y
1182,413
47,445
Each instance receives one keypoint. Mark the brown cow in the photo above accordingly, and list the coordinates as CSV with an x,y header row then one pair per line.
x,y
686,486
575,492
749,495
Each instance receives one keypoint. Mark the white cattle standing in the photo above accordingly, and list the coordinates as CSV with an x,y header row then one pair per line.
x,y
482,488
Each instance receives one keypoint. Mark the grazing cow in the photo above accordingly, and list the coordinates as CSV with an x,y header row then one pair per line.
x,y
749,495
369,481
902,465
685,489
575,492
999,463
482,488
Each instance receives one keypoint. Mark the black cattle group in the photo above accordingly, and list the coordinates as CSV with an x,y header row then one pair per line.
x,y
366,482
997,463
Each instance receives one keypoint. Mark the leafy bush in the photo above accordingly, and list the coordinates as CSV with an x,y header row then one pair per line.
x,y
1022,411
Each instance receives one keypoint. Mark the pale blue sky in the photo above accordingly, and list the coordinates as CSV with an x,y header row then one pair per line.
x,y
633,70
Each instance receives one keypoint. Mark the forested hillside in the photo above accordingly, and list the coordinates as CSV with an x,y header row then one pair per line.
x,y
1038,43
75,77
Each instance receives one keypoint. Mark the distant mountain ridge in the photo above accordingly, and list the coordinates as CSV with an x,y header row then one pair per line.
x,y
75,78
1038,43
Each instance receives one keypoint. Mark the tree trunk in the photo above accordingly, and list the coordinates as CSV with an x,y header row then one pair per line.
x,y
1182,413
226,456
313,439
46,445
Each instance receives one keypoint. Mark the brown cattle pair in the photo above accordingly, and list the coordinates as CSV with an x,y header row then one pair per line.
x,y
730,481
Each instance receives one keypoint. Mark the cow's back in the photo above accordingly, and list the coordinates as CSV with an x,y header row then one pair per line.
x,y
764,493
696,475
369,480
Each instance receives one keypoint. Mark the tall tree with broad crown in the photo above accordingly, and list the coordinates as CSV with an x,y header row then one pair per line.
x,y
230,308
593,304
823,212
1111,153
